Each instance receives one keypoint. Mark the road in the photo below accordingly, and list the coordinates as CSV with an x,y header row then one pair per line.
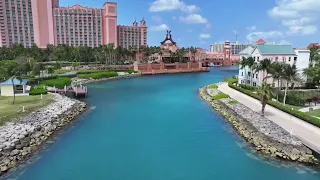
x,y
307,133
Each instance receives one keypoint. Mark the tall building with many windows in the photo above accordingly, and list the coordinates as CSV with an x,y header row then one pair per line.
x,y
43,22
236,47
135,35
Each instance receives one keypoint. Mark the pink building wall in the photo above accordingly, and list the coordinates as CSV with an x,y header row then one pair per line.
x,y
47,23
109,23
135,35
42,22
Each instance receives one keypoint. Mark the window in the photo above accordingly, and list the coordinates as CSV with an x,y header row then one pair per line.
x,y
254,84
256,75
277,58
295,58
289,59
257,58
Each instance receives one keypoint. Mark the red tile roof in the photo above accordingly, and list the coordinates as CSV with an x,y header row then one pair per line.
x,y
261,41
313,45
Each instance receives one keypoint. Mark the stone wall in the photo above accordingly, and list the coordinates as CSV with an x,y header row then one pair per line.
x,y
19,140
273,145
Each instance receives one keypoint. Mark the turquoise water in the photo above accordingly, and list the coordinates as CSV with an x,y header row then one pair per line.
x,y
154,128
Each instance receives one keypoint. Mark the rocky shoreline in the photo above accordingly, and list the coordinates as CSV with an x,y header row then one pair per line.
x,y
18,141
265,136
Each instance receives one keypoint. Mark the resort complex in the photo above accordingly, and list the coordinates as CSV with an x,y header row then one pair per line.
x,y
84,96
44,22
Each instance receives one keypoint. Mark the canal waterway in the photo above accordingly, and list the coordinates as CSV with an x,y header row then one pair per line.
x,y
154,128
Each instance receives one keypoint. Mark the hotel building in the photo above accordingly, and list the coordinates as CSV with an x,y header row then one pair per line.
x,y
236,47
276,53
135,35
43,22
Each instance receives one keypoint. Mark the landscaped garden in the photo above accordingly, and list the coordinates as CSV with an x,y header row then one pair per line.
x,y
10,111
286,97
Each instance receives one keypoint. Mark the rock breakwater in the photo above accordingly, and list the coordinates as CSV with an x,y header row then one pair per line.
x,y
264,135
19,140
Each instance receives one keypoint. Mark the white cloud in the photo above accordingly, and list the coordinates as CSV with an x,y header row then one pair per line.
x,y
251,28
300,16
254,36
189,31
156,19
161,27
235,32
203,42
205,36
169,5
297,22
302,30
174,18
193,19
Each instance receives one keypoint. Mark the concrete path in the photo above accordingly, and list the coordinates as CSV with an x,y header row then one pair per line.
x,y
307,133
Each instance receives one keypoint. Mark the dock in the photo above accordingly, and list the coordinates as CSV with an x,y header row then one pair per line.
x,y
76,90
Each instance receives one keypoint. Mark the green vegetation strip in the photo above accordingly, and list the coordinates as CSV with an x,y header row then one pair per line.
x,y
301,115
220,95
233,102
58,82
98,75
213,86
9,111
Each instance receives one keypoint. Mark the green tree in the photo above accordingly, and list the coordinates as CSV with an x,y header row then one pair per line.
x,y
290,75
251,65
265,92
243,65
264,66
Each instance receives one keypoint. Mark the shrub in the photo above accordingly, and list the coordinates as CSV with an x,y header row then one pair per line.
x,y
293,99
37,91
58,82
213,86
220,95
98,75
301,115
251,88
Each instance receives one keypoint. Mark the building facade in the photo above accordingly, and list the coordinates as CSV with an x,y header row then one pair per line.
x,y
235,47
43,22
276,53
135,35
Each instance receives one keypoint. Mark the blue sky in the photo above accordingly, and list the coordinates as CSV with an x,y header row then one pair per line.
x,y
204,22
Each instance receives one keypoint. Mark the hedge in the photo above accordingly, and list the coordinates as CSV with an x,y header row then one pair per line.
x,y
58,82
301,115
37,91
98,75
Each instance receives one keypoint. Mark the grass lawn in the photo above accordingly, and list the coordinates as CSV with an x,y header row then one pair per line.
x,y
9,111
315,113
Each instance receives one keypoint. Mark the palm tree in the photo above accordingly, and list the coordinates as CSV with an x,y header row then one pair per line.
x,y
290,75
265,92
243,65
264,66
276,72
251,64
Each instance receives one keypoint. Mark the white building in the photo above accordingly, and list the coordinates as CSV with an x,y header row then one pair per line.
x,y
279,53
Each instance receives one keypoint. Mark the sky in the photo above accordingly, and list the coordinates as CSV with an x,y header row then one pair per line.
x,y
200,23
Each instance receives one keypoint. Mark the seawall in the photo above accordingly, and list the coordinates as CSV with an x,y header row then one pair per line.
x,y
265,136
18,141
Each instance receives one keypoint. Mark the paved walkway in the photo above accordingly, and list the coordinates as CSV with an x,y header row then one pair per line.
x,y
307,133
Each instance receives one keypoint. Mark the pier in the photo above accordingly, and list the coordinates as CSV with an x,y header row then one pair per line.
x,y
76,90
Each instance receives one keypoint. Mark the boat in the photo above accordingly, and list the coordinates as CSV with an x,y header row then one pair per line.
x,y
211,65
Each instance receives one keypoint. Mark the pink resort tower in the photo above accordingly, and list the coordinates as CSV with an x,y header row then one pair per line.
x,y
43,22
